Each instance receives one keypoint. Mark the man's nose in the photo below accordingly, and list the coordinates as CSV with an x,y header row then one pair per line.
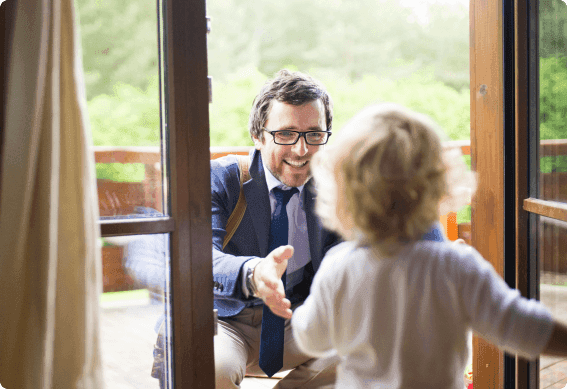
x,y
301,147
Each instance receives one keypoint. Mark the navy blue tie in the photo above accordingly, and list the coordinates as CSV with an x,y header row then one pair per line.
x,y
272,336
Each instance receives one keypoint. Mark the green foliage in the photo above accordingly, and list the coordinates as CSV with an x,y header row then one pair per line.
x,y
553,97
464,215
552,28
553,79
231,108
355,38
119,43
127,117
553,108
364,51
132,172
448,107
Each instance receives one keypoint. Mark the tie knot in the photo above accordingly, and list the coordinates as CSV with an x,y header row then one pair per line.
x,y
283,196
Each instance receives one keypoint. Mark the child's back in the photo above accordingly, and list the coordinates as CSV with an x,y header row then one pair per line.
x,y
402,322
398,314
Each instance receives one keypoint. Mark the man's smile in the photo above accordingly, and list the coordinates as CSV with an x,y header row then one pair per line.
x,y
296,164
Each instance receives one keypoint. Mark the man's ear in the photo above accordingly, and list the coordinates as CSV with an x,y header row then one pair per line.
x,y
257,143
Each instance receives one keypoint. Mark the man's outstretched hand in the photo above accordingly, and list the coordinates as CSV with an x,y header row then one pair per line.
x,y
269,286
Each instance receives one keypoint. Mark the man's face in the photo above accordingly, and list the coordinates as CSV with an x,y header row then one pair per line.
x,y
291,163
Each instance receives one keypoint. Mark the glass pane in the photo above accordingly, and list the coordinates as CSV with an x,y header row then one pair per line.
x,y
553,171
553,100
553,292
121,63
364,52
133,307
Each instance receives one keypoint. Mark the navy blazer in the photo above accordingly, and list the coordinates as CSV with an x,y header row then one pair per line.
x,y
251,237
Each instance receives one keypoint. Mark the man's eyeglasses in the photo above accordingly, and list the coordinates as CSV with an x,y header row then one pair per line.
x,y
289,137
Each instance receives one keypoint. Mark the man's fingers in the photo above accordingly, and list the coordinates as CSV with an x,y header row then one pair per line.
x,y
268,288
277,300
285,313
280,308
282,253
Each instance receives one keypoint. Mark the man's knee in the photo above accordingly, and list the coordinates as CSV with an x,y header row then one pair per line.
x,y
230,365
228,372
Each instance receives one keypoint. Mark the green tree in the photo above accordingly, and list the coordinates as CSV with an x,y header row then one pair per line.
x,y
553,108
448,107
552,28
119,43
127,117
349,38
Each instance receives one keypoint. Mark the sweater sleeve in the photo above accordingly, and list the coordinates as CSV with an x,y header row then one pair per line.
x,y
312,322
500,314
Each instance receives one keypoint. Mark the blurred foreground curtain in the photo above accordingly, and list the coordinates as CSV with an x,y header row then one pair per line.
x,y
49,258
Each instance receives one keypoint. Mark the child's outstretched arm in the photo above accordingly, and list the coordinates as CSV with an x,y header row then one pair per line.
x,y
557,344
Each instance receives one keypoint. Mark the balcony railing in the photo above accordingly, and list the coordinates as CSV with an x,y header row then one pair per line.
x,y
118,199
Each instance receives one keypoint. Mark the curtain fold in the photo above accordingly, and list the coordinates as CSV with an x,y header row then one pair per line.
x,y
50,268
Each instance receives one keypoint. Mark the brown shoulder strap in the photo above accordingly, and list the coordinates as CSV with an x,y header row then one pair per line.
x,y
238,213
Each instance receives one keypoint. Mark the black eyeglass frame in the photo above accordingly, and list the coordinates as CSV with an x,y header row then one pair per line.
x,y
300,134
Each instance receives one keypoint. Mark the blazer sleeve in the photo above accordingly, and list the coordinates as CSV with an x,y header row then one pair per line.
x,y
227,268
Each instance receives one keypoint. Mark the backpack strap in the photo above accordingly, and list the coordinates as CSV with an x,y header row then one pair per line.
x,y
238,213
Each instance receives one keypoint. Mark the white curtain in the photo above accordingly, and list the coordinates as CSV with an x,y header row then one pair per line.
x,y
49,257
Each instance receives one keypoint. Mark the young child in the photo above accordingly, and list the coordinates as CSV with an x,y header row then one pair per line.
x,y
394,304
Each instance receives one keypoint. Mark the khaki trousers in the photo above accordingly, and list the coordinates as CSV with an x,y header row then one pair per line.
x,y
237,347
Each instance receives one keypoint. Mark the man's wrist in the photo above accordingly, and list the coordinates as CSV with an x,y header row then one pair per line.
x,y
251,263
250,283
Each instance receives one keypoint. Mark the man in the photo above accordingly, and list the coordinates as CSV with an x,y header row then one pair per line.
x,y
258,278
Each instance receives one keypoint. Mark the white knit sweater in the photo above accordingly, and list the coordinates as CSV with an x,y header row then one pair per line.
x,y
402,322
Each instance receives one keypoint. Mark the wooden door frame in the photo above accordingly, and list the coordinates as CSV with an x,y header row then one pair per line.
x,y
191,254
526,135
487,158
189,161
504,80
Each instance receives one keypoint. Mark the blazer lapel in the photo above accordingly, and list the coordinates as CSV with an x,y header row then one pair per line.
x,y
258,200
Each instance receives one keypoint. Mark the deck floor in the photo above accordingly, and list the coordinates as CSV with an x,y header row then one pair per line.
x,y
553,370
128,337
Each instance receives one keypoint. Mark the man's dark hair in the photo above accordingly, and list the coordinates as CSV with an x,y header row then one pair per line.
x,y
293,88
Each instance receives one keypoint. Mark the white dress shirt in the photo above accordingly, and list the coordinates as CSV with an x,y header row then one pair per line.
x,y
297,234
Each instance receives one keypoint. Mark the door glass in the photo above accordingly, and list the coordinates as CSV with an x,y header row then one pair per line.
x,y
553,100
134,306
364,52
120,46
121,64
553,292
553,171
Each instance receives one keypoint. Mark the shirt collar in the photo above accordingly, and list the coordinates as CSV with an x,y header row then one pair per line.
x,y
273,182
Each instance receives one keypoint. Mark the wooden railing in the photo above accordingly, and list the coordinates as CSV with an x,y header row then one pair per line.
x,y
122,198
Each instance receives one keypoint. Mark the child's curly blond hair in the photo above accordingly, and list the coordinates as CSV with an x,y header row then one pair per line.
x,y
382,181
